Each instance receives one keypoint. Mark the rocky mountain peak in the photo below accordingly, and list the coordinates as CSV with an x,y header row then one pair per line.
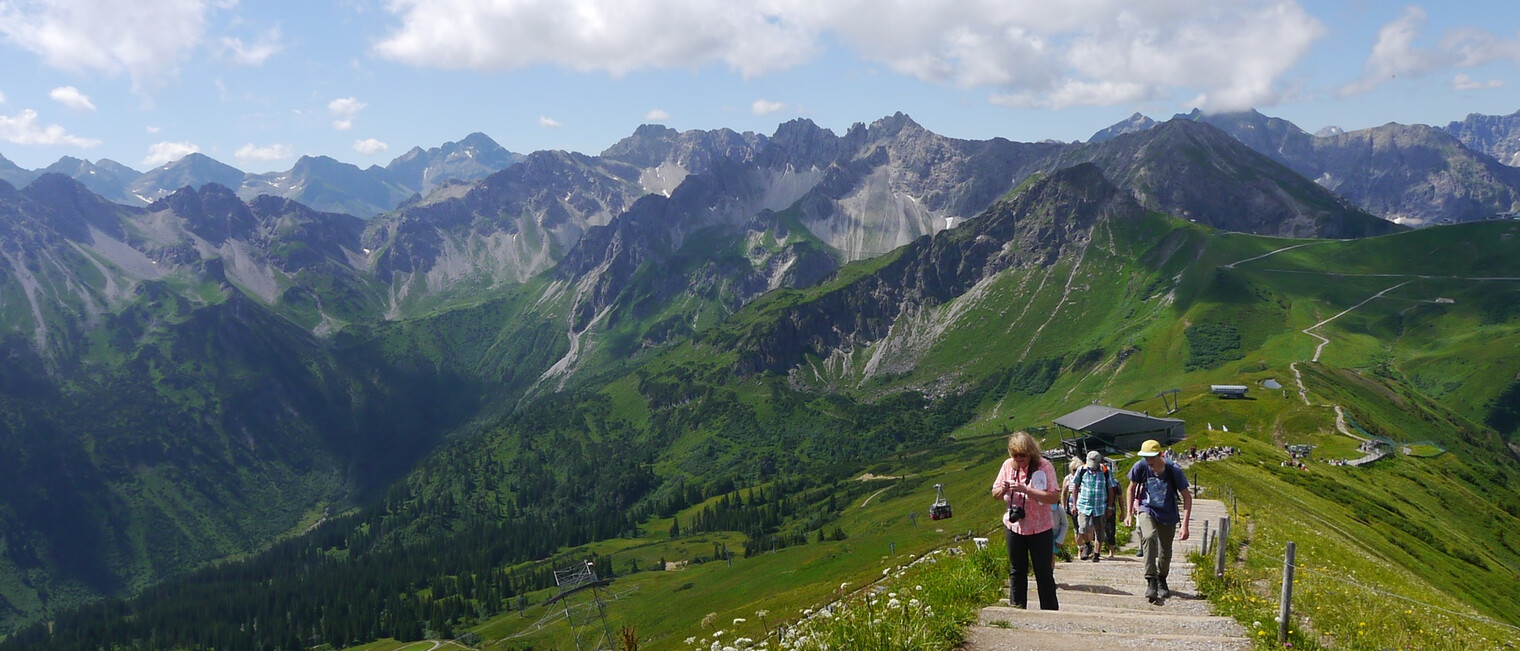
x,y
213,212
1133,124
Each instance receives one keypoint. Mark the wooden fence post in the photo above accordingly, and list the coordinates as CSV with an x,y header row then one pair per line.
x,y
1287,596
1205,537
1223,540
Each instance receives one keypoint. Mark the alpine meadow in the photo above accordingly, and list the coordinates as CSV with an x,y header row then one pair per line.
x,y
725,372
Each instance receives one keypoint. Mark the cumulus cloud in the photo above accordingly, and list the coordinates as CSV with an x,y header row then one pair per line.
x,y
1397,52
548,122
2,98
168,152
370,146
654,115
1464,82
23,129
612,36
255,53
765,107
1228,53
250,153
345,108
71,97
145,40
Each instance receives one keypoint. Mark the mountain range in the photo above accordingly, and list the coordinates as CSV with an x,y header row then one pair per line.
x,y
208,372
317,181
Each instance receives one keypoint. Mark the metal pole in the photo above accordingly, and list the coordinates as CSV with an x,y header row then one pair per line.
x,y
1223,541
1287,596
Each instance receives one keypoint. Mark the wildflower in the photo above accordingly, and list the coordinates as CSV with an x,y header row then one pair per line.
x,y
743,641
718,634
844,585
691,641
886,571
739,620
762,613
918,587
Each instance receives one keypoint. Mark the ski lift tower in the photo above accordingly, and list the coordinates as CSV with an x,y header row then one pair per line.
x,y
581,597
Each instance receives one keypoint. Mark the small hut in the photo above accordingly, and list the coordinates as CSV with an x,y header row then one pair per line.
x,y
1096,427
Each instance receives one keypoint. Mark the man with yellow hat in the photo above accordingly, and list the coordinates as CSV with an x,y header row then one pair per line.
x,y
1154,486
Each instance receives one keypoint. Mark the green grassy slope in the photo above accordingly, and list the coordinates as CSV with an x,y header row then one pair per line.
x,y
1136,304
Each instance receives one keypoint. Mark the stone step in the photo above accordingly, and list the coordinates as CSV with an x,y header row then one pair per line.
x,y
1091,600
988,638
1102,605
1115,621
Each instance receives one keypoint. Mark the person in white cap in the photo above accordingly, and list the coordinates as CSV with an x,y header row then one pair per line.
x,y
1154,486
1094,488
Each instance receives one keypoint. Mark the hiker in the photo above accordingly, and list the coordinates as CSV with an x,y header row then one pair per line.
x,y
1154,486
1027,485
1111,520
1095,488
1068,502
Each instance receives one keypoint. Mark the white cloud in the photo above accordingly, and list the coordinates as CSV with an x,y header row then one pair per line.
x,y
253,54
345,108
548,123
612,36
250,153
1464,82
71,97
23,129
152,129
145,40
765,107
1228,53
370,146
656,115
168,152
1396,53
2,98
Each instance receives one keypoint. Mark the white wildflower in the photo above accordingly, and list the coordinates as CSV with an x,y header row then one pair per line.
x,y
739,620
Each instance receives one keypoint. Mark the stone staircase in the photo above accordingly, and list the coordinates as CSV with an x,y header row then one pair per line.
x,y
1103,605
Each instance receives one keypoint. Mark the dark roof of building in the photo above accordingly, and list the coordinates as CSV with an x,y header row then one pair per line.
x,y
1099,419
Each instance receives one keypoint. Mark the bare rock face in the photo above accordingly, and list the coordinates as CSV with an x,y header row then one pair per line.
x,y
1495,135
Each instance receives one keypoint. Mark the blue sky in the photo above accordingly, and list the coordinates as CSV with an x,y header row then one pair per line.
x,y
259,84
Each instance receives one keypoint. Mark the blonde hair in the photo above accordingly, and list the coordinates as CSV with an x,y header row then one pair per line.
x,y
1022,443
1076,464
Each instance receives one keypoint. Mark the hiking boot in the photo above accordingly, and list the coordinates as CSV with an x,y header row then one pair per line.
x,y
1097,557
1150,588
1162,591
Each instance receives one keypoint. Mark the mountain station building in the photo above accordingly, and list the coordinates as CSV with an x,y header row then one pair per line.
x,y
1096,427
